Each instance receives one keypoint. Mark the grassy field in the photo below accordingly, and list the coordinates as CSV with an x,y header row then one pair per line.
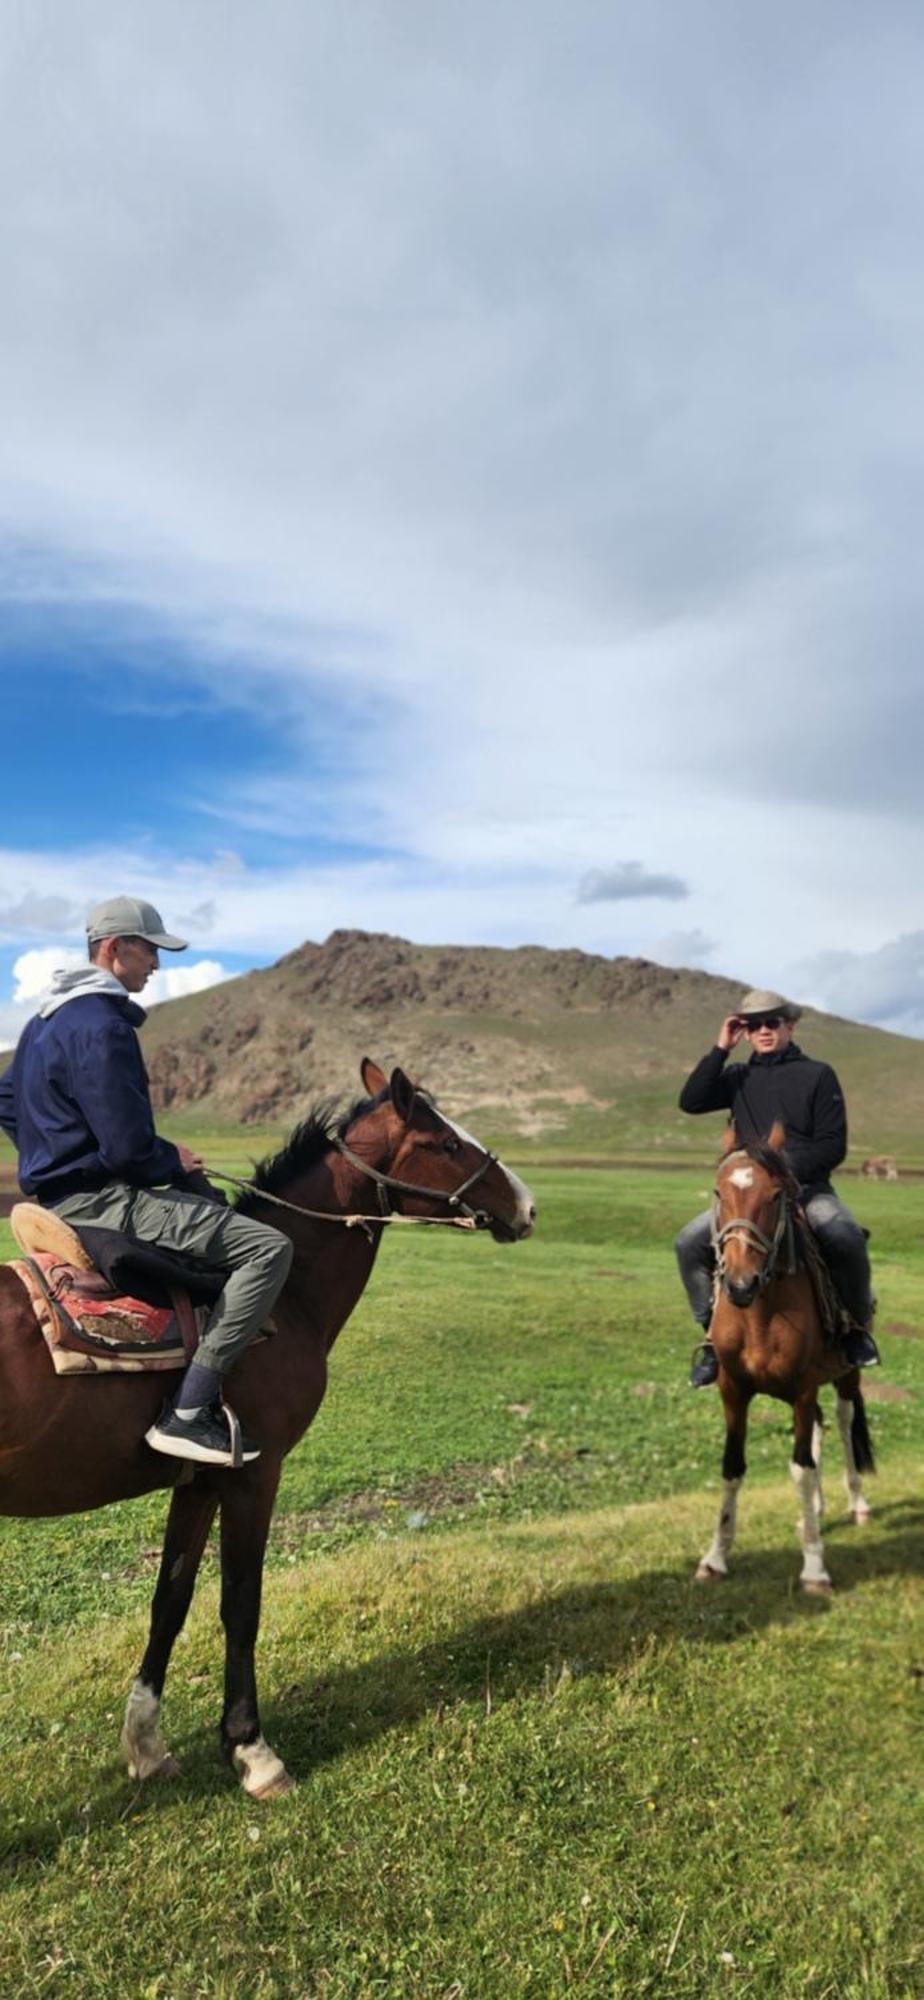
x,y
534,1758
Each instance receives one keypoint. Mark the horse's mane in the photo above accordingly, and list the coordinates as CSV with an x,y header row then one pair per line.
x,y
312,1137
773,1162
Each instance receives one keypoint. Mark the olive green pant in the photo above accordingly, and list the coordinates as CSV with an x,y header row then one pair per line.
x,y
256,1257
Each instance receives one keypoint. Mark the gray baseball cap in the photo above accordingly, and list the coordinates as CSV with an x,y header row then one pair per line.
x,y
128,916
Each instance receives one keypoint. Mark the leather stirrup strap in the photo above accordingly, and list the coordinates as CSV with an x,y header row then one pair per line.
x,y
234,1427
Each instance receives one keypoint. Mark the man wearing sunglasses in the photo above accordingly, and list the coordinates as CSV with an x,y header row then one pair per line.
x,y
779,1083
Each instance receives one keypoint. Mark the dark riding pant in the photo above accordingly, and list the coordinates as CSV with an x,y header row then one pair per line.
x,y
841,1240
256,1257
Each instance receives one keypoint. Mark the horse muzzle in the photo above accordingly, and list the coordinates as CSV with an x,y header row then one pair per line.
x,y
515,1231
741,1291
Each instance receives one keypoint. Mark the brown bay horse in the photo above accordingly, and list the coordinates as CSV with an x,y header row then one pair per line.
x,y
768,1337
68,1443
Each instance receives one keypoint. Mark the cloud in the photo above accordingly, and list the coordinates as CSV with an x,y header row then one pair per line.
x,y
684,948
202,918
33,971
338,343
627,882
173,981
38,913
885,986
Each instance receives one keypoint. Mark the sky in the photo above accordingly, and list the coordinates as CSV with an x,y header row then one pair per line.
x,y
458,477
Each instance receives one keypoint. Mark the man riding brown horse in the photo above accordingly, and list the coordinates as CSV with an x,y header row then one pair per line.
x,y
75,1103
779,1085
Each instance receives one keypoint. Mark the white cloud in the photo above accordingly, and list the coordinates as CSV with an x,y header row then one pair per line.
x,y
492,387
37,913
173,981
684,948
33,971
885,986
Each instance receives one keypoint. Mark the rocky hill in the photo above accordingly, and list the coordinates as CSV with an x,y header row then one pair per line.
x,y
551,1047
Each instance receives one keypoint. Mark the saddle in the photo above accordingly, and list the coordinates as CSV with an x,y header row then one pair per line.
x,y
94,1323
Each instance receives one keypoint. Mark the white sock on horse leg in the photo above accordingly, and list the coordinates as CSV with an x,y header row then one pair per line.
x,y
716,1557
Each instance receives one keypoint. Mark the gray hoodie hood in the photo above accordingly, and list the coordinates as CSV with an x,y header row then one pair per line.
x,y
67,986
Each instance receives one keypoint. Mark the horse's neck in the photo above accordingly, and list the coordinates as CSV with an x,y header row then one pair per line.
x,y
335,1186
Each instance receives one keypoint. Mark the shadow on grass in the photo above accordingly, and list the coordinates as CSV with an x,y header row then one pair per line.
x,y
602,1629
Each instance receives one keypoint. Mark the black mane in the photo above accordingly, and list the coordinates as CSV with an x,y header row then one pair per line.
x,y
306,1145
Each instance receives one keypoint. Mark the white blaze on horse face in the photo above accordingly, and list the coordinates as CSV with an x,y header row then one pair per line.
x,y
524,1205
742,1177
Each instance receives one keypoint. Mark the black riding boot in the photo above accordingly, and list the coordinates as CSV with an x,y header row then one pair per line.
x,y
859,1348
705,1369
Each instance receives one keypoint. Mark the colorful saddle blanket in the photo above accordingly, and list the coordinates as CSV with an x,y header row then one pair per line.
x,y
89,1329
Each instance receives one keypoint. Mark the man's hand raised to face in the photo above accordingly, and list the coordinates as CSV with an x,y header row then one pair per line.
x,y
731,1031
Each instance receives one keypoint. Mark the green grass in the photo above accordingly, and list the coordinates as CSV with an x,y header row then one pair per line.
x,y
533,1757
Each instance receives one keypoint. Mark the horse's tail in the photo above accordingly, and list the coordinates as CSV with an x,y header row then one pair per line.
x,y
863,1454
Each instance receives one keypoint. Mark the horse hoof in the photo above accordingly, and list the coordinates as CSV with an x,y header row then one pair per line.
x,y
262,1774
276,1789
166,1768
815,1587
706,1574
860,1516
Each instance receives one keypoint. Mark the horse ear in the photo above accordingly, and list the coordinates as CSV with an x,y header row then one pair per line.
x,y
402,1093
373,1077
777,1139
729,1140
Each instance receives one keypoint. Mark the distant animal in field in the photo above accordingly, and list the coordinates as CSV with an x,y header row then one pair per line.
x,y
880,1167
768,1335
68,1442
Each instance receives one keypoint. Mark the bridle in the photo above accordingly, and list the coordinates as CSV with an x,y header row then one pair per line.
x,y
741,1225
387,1185
462,1215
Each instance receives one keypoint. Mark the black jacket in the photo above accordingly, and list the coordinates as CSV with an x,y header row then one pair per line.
x,y
803,1095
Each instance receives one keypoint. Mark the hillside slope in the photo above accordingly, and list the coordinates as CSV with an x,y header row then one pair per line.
x,y
551,1048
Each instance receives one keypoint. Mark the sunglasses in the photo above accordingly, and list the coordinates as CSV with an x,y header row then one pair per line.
x,y
763,1021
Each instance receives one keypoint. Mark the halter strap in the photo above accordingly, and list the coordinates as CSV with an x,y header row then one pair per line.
x,y
741,1225
387,1184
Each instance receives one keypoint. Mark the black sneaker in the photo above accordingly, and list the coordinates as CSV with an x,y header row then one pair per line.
x,y
705,1369
859,1348
205,1437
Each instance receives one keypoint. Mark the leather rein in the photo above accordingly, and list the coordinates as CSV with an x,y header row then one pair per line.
x,y
463,1215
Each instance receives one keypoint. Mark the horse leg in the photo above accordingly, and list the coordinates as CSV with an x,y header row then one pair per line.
x,y
246,1509
714,1564
804,1472
818,1438
858,1450
192,1511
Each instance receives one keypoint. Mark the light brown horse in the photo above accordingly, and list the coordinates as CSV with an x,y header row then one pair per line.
x,y
768,1337
69,1442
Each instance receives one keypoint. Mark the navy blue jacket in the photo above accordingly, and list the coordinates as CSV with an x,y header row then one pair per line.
x,y
76,1104
803,1094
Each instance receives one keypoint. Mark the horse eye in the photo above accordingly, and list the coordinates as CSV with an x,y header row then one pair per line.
x,y
452,1144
